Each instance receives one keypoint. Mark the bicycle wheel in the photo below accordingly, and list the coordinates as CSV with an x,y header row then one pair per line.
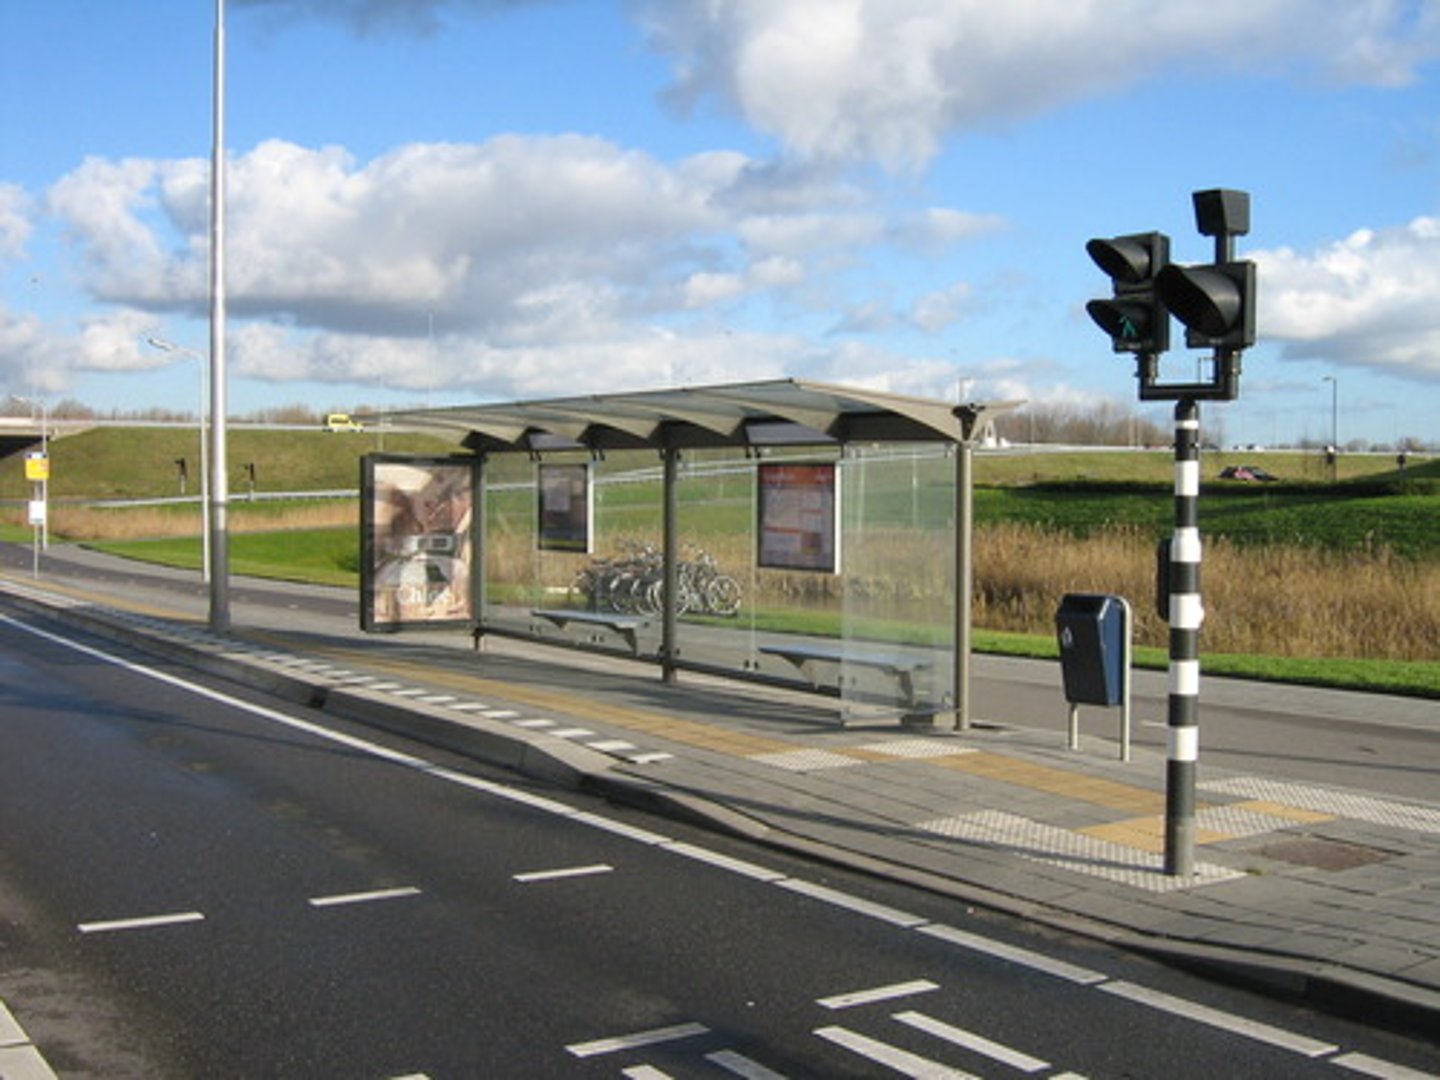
x,y
723,595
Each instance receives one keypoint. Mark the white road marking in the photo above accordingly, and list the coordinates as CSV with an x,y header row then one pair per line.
x,y
978,1044
850,903
636,1039
902,1061
620,828
363,897
24,1063
724,862
742,1066
565,872
1366,1065
143,922
1204,1014
645,1072
1014,954
878,993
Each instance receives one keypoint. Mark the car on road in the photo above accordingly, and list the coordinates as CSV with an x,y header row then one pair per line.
x,y
1247,472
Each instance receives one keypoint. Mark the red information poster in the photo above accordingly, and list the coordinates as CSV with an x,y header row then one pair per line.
x,y
798,517
416,541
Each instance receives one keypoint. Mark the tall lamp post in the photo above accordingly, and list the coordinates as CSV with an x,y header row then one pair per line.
x,y
165,345
219,501
1334,424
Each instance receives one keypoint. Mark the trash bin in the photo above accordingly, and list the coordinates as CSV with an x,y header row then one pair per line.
x,y
1094,648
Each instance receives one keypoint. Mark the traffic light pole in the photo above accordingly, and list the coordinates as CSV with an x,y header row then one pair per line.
x,y
1216,304
1185,616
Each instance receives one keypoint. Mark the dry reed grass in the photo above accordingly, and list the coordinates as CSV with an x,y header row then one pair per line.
x,y
161,522
1273,600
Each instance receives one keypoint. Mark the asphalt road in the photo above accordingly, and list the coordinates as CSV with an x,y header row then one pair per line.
x,y
195,881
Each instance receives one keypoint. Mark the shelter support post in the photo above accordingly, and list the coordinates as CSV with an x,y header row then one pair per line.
x,y
964,578
479,551
669,546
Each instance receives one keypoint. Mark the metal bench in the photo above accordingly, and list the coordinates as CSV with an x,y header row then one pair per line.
x,y
899,665
624,625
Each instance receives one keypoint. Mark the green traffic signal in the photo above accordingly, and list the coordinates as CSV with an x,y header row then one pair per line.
x,y
1134,318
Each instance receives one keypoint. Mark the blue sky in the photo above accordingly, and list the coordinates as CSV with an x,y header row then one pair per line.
x,y
454,201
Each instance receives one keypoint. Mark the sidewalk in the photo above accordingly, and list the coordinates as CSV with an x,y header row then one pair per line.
x,y
1319,891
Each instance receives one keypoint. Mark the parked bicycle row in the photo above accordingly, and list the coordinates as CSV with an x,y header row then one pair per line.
x,y
635,583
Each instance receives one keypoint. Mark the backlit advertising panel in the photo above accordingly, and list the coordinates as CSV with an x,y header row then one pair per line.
x,y
798,517
417,533
565,508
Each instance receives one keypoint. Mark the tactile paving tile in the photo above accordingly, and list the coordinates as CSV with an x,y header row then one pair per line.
x,y
916,748
1327,801
1073,851
805,760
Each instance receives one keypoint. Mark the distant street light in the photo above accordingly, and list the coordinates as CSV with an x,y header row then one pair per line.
x,y
165,345
1334,424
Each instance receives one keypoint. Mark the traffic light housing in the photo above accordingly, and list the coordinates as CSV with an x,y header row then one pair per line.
x,y
1216,303
1134,317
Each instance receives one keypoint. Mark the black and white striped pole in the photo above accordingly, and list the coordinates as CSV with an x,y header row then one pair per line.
x,y
1216,303
1186,613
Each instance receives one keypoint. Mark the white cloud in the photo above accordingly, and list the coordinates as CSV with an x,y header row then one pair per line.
x,y
1366,300
887,80
503,250
15,223
939,310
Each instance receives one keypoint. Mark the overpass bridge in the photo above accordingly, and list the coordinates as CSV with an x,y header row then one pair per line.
x,y
21,433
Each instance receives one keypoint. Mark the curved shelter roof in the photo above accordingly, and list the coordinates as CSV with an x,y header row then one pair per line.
x,y
738,414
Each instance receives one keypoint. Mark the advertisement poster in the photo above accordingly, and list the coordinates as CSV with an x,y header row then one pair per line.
x,y
416,541
565,508
798,517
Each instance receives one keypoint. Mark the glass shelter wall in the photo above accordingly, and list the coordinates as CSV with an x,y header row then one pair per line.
x,y
758,593
898,617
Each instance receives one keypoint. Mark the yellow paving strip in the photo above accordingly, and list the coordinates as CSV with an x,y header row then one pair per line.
x,y
1107,793
1146,834
1289,813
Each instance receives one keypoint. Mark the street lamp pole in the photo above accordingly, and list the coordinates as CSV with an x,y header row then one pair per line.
x,y
165,345
1334,424
219,484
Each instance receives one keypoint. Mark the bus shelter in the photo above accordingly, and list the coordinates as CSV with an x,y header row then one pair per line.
x,y
786,531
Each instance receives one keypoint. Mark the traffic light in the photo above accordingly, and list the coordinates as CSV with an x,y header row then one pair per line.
x,y
1216,303
1134,318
